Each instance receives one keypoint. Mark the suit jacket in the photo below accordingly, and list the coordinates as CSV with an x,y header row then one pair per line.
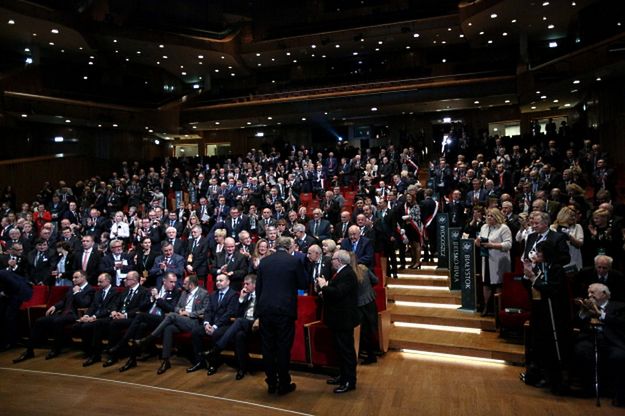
x,y
338,230
107,264
93,264
142,262
325,271
70,304
200,302
340,300
238,265
165,304
219,313
102,307
481,196
306,242
364,251
559,240
243,223
40,272
457,217
134,304
613,329
588,276
323,230
278,278
199,261
176,265
180,246
15,287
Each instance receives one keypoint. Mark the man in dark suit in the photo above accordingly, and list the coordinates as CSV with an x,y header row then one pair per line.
x,y
13,260
476,196
167,262
540,224
222,307
240,329
40,262
185,318
317,265
65,312
456,210
340,314
117,263
341,228
180,246
279,277
104,302
128,304
173,221
601,273
162,301
88,259
236,223
318,227
608,318
302,239
231,263
16,290
361,246
197,253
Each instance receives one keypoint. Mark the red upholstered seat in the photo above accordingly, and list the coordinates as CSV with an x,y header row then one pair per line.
x,y
514,303
307,311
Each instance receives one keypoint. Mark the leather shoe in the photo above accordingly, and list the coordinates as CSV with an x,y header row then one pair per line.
x,y
240,375
336,381
91,360
143,342
271,388
26,355
165,365
344,388
52,354
197,366
211,370
369,360
111,361
131,363
282,390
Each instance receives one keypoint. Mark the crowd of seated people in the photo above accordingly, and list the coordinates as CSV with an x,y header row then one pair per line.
x,y
194,217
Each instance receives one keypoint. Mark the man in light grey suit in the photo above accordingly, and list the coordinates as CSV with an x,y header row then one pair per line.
x,y
186,316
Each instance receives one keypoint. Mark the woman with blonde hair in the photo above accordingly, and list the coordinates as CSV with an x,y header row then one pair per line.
x,y
367,309
566,222
261,250
328,246
494,242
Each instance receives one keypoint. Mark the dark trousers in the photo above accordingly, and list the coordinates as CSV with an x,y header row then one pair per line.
x,y
197,339
238,333
9,308
50,326
368,328
611,365
277,333
344,344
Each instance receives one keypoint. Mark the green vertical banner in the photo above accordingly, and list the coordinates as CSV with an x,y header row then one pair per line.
x,y
467,274
455,233
442,232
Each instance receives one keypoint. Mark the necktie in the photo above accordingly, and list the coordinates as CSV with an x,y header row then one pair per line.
x,y
85,260
221,297
194,244
354,247
316,228
39,258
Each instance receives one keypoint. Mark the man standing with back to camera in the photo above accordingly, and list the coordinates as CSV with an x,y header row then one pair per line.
x,y
279,277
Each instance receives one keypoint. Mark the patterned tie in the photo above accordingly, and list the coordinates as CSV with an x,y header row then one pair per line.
x,y
221,297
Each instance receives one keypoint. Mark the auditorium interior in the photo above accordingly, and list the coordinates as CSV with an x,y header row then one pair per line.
x,y
89,84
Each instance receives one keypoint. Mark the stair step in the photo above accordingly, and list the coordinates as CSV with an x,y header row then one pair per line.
x,y
445,317
424,271
483,345
417,294
423,280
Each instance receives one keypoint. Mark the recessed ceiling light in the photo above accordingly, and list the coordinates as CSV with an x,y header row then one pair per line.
x,y
259,64
99,125
181,66
543,97
567,105
377,49
11,22
80,48
408,47
470,24
507,101
504,34
51,43
490,41
55,31
556,100
325,113
313,46
513,21
545,3
573,91
183,73
380,42
115,125
337,46
476,102
68,121
249,123
443,60
161,46
354,53
576,81
444,42
551,26
553,44
232,74
85,77
493,16
26,50
269,118
449,29
598,79
544,18
416,35
158,62
127,59
217,123
223,57
537,92
573,4
24,115
323,56
216,70
533,107
257,54
114,40
164,56
200,57
374,108
303,118
288,54
294,61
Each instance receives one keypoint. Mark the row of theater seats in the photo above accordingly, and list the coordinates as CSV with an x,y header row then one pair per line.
x,y
313,345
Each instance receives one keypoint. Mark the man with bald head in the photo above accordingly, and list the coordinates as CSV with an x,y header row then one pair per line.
x,y
361,246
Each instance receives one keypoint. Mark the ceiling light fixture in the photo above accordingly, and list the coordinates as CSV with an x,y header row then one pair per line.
x,y
493,16
55,31
11,22
416,35
551,26
476,102
576,81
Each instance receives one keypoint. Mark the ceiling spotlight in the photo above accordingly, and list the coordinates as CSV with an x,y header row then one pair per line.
x,y
28,60
476,102
481,33
490,42
200,57
232,74
543,97
504,34
115,125
59,139
461,35
545,3
408,47
416,35
507,101
513,21
26,49
449,29
164,56
598,79
114,40
269,118
354,53
337,46
85,77
380,42
249,123
444,60
288,54
51,43
567,105
223,57
161,46
533,107
493,16
257,54
216,70
555,101
576,81
11,22
68,121
313,46
374,108
553,44
157,142
551,26
24,115
55,31
303,118
217,123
